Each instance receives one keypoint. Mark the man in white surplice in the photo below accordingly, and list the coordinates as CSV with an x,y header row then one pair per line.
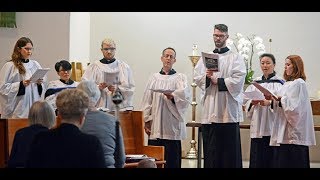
x,y
164,105
110,65
221,100
17,91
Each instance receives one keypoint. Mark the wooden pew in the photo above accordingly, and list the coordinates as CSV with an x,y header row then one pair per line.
x,y
131,123
132,126
8,128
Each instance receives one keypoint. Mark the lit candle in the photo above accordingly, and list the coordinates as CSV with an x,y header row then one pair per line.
x,y
194,50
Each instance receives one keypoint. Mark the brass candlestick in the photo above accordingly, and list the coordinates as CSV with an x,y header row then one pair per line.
x,y
192,153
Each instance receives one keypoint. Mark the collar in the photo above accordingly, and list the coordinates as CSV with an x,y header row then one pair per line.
x,y
172,71
107,61
269,76
67,83
24,60
221,50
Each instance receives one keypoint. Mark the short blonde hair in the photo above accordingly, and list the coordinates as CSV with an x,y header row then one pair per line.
x,y
41,112
108,41
72,103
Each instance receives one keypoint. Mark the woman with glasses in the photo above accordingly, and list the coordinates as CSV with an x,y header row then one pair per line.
x,y
63,69
17,91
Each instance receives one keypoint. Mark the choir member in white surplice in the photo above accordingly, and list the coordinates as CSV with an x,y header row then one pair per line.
x,y
293,128
261,116
97,71
164,105
63,69
17,92
221,100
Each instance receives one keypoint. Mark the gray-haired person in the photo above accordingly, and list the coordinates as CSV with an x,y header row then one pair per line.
x,y
66,146
104,126
41,118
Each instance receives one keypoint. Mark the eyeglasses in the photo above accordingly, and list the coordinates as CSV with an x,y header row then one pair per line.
x,y
168,56
107,49
27,49
221,36
65,71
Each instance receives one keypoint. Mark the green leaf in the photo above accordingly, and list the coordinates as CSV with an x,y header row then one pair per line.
x,y
249,76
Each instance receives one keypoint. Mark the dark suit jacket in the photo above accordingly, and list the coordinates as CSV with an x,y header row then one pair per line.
x,y
66,147
21,144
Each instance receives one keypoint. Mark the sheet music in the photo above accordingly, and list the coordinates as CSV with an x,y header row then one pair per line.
x,y
111,78
39,74
254,95
264,90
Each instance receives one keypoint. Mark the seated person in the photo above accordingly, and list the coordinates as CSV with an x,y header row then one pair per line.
x,y
147,163
63,69
41,118
66,146
104,126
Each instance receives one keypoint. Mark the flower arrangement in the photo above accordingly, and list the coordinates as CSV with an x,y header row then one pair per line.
x,y
246,47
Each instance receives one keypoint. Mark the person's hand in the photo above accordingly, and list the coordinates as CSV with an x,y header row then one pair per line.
x,y
168,95
39,81
102,85
209,73
268,97
265,102
214,79
112,88
26,82
255,102
147,127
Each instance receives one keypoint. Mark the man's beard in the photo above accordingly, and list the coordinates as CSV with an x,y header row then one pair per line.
x,y
219,44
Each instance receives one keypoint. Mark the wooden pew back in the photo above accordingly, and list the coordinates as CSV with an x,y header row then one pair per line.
x,y
8,128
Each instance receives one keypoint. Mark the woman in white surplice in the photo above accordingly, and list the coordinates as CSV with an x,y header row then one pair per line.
x,y
261,116
17,92
164,105
63,69
109,66
293,128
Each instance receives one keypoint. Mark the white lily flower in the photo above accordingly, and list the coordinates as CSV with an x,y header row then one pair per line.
x,y
258,40
239,35
246,49
260,46
245,56
240,46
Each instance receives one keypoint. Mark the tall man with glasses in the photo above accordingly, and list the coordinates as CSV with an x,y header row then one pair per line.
x,y
110,65
164,105
221,99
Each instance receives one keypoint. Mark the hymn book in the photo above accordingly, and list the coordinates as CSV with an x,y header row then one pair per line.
x,y
265,91
39,74
211,61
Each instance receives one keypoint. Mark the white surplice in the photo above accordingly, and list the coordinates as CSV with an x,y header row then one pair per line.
x,y
222,106
168,118
293,122
14,106
261,117
95,72
57,84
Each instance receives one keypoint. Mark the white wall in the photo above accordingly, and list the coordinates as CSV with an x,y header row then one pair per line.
x,y
80,37
141,37
49,32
